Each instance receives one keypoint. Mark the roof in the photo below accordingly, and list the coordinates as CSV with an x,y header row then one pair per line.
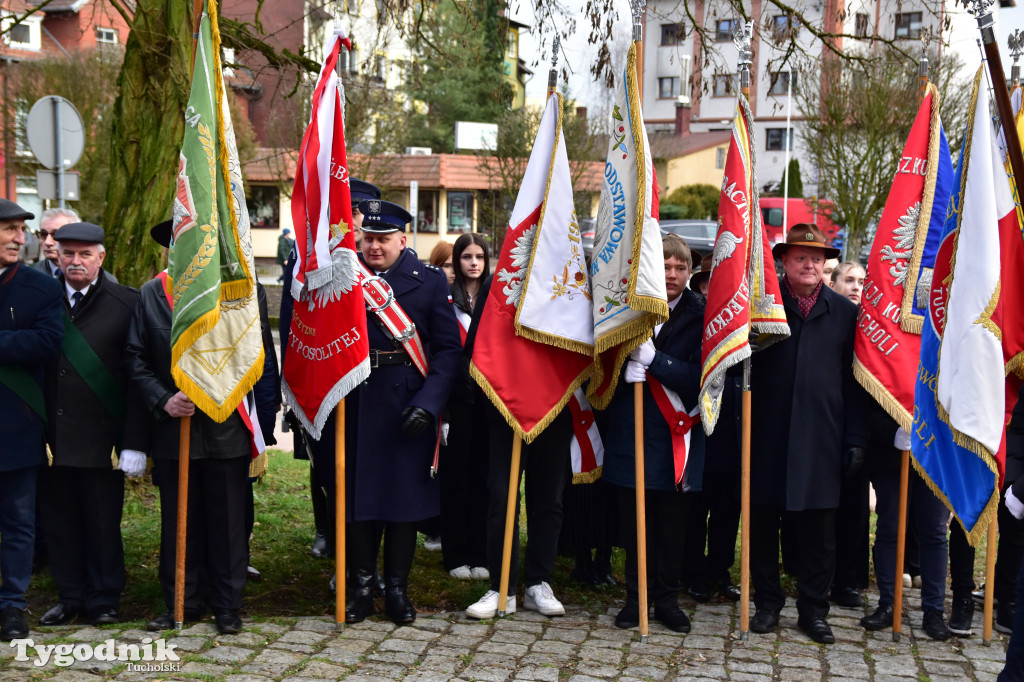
x,y
672,146
55,6
437,171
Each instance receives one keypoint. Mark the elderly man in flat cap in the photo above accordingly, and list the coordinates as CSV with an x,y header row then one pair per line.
x,y
30,336
95,430
807,435
50,221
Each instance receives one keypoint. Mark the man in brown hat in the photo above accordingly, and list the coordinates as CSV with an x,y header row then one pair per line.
x,y
806,437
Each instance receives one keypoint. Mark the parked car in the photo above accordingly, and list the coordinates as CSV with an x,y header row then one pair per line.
x,y
699,235
587,226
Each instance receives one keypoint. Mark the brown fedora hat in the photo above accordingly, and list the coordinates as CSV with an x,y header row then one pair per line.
x,y
702,272
805,234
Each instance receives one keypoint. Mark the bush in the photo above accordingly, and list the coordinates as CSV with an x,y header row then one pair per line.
x,y
691,201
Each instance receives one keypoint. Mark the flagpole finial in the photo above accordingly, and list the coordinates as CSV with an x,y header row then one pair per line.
x,y
553,73
1015,42
742,39
982,12
638,7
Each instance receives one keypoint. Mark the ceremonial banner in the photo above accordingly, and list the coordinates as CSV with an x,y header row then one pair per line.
x,y
216,346
586,450
958,467
328,352
886,355
534,343
743,293
627,267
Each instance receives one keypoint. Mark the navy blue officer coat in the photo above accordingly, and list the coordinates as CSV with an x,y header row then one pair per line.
x,y
389,472
31,329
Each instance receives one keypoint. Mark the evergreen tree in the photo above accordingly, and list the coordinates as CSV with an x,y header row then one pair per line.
x,y
793,180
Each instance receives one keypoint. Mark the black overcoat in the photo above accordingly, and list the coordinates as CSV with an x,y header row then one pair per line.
x,y
805,409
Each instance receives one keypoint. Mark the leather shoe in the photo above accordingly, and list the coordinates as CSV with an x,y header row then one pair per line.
x,y
628,617
228,621
699,594
321,550
846,596
764,620
934,626
13,624
103,617
672,617
165,621
817,629
61,614
879,620
396,603
729,591
360,606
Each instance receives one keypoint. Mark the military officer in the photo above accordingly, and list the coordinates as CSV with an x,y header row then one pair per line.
x,y
91,411
394,416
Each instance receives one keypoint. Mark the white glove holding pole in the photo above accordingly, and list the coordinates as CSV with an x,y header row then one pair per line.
x,y
635,372
132,462
1015,506
644,354
902,440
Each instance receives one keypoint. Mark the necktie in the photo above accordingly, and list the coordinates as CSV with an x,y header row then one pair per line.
x,y
76,298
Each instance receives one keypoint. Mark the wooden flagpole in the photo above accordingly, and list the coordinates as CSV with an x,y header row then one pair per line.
x,y
638,7
340,583
744,73
184,433
990,574
510,517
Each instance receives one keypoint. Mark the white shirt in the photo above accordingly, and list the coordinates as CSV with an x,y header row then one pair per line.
x,y
671,307
69,291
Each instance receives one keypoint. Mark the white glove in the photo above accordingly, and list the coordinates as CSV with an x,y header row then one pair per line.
x,y
902,439
1015,506
444,432
635,372
644,354
132,462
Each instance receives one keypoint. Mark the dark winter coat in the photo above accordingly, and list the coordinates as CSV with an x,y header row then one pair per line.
x,y
30,334
677,366
805,409
389,472
81,430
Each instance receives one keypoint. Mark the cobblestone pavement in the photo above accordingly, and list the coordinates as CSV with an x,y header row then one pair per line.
x,y
579,647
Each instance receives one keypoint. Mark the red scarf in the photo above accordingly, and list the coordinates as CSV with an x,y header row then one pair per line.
x,y
805,303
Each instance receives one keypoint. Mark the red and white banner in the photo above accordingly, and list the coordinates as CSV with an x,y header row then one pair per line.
x,y
586,451
743,292
327,353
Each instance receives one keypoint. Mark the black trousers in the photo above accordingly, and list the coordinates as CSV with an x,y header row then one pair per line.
x,y
217,547
665,527
363,542
463,479
815,534
82,520
546,463
852,521
713,522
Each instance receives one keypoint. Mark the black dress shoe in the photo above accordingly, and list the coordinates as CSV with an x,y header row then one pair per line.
x,y
103,617
961,617
321,548
846,596
700,594
397,605
934,626
228,621
13,624
628,617
672,617
61,614
360,605
729,591
764,620
165,621
879,620
817,629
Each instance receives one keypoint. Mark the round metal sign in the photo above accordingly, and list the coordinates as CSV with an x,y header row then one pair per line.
x,y
50,119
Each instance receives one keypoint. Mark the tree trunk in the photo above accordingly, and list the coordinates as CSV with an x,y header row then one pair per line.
x,y
146,137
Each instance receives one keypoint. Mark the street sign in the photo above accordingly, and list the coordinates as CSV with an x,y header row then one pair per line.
x,y
46,185
55,125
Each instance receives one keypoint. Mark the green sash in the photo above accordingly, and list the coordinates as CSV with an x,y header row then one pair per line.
x,y
92,370
25,387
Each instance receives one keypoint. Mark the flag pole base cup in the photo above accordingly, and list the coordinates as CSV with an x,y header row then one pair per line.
x,y
643,639
179,626
896,637
501,614
744,635
987,642
339,627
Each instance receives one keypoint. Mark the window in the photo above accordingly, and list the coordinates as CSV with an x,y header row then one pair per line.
x,y
724,29
460,211
861,26
784,27
380,68
777,139
908,25
513,45
720,157
673,34
668,87
20,34
264,204
723,85
106,35
780,83
23,36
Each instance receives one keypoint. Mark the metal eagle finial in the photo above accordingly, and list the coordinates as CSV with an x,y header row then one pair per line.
x,y
741,39
1015,42
637,7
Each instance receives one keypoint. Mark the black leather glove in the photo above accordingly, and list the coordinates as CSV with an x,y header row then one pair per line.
x,y
415,421
853,461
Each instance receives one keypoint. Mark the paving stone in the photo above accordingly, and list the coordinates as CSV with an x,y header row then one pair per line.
x,y
936,668
545,659
388,670
897,666
303,637
798,675
565,635
227,654
187,643
76,676
270,629
749,677
245,678
272,662
499,660
546,646
520,625
197,668
540,674
399,657
433,624
406,645
322,669
316,625
468,630
584,678
750,667
199,630
714,672
600,654
294,648
704,642
427,676
488,673
90,634
513,637
242,639
598,670
645,672
342,656
515,650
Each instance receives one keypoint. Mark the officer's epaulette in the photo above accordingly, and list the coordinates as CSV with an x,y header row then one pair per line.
x,y
433,267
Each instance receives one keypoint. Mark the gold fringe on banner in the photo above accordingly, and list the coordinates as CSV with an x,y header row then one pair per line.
x,y
584,477
882,396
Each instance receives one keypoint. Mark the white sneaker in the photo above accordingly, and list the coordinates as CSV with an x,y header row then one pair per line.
x,y
432,544
487,607
461,572
480,573
541,598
